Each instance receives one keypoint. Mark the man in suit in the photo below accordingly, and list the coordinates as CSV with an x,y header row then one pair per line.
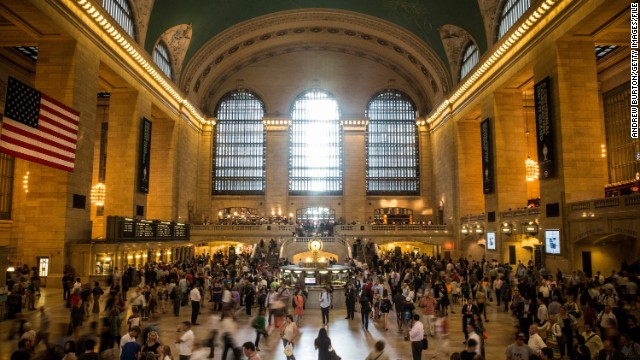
x,y
525,313
350,299
467,315
610,352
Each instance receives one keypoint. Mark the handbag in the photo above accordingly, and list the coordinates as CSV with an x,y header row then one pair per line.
x,y
288,350
333,355
425,343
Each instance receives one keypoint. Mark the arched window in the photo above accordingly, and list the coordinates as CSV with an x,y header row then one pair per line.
x,y
392,145
315,145
120,11
510,13
469,59
161,58
239,153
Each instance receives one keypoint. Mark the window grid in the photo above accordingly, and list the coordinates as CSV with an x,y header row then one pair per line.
x,y
29,51
315,145
319,214
161,58
6,185
239,150
604,50
511,13
623,152
469,59
120,11
392,145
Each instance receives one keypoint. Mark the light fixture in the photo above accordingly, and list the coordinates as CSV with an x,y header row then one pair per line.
x,y
532,170
107,259
11,269
25,182
506,228
479,229
323,272
464,230
531,228
169,252
98,194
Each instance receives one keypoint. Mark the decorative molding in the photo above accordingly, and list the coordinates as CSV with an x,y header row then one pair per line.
x,y
177,40
455,39
347,28
489,11
221,77
142,14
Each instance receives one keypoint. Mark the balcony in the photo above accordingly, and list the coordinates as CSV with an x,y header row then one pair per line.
x,y
410,230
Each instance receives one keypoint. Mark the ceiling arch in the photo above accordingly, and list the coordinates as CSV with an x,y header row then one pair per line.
x,y
317,30
419,17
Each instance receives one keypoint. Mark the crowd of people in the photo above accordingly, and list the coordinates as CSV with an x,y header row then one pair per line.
x,y
555,315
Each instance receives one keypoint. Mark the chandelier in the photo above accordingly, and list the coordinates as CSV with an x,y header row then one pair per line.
x,y
532,169
98,193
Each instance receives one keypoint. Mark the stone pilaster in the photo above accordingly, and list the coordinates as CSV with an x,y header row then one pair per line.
x,y
162,182
45,219
126,110
277,164
355,170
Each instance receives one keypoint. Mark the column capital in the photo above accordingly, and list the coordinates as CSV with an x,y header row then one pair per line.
x,y
276,123
355,124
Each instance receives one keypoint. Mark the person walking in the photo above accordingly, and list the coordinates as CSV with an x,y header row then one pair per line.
x,y
298,302
385,307
289,333
185,340
428,304
322,344
325,304
260,325
378,352
96,292
350,300
365,309
416,334
195,297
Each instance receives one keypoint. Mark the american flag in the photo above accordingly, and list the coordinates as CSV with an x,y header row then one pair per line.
x,y
38,128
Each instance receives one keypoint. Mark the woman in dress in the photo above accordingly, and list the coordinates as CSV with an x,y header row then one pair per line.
x,y
385,307
322,344
152,344
298,301
289,333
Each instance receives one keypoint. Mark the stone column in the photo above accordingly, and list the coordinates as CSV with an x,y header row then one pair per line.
x,y
163,172
44,218
355,170
277,164
126,110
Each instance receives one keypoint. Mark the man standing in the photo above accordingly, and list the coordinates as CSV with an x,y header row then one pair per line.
x,y
416,334
467,315
325,303
195,297
519,350
536,344
350,299
89,353
497,286
184,342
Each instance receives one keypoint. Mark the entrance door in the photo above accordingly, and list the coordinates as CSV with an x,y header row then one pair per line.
x,y
586,263
512,254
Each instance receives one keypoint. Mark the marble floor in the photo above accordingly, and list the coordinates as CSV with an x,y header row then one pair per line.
x,y
347,337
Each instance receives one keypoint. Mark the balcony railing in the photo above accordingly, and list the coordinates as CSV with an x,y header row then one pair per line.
x,y
619,203
528,212
380,230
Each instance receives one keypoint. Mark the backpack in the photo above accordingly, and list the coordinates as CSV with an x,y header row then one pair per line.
x,y
172,294
385,306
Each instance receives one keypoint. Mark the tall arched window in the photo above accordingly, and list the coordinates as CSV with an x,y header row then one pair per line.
x,y
162,59
510,13
469,59
239,153
392,145
120,11
315,141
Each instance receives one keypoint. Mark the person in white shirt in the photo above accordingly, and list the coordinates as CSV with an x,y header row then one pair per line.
x,y
77,286
535,340
592,341
325,303
542,314
184,342
195,298
130,336
471,330
416,334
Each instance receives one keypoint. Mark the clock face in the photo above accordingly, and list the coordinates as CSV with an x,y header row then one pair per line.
x,y
315,245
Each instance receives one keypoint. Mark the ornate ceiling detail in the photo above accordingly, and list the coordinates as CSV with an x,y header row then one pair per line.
x,y
455,40
208,106
142,13
177,40
489,11
326,26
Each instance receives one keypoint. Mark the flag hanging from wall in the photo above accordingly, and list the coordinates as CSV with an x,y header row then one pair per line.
x,y
38,128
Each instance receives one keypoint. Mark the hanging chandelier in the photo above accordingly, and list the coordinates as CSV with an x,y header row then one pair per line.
x,y
98,194
532,170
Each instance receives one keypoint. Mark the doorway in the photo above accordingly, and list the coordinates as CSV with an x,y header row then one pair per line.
x,y
586,264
